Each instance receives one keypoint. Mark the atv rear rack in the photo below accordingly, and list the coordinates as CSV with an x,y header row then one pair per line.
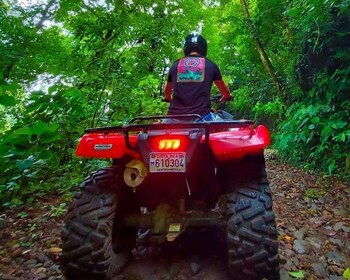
x,y
179,124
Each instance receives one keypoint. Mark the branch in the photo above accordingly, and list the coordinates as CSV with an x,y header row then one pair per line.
x,y
260,48
162,81
44,14
318,36
107,73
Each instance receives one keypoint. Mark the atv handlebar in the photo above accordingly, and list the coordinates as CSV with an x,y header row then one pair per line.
x,y
183,117
215,98
219,98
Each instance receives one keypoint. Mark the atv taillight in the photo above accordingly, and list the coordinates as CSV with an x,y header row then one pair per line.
x,y
169,144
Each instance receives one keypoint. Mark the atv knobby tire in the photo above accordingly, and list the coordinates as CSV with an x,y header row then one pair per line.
x,y
96,245
251,228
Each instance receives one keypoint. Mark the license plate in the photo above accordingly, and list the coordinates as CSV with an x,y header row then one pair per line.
x,y
167,162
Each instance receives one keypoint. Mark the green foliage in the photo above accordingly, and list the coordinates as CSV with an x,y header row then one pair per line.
x,y
317,130
315,193
57,211
70,65
253,88
7,100
346,273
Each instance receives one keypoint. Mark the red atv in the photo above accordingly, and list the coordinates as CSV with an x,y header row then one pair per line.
x,y
166,178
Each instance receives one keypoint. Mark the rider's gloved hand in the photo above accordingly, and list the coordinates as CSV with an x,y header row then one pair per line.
x,y
226,98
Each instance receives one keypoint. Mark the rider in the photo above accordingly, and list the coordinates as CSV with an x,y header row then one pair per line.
x,y
190,79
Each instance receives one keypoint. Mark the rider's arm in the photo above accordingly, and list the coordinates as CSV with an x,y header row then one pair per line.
x,y
225,92
167,91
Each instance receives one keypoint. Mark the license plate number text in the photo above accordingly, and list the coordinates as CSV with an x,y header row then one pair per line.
x,y
167,162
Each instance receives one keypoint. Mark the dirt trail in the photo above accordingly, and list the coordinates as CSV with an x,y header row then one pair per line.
x,y
312,213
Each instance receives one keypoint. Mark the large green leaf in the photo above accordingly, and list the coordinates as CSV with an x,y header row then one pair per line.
x,y
39,128
50,138
23,131
24,164
7,100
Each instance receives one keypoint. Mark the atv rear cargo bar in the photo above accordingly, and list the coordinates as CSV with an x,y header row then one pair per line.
x,y
159,126
173,125
170,125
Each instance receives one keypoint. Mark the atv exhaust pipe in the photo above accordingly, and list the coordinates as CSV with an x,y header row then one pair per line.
x,y
134,173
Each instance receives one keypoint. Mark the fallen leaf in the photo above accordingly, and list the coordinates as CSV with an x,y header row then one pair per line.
x,y
297,274
331,233
55,250
26,251
41,270
288,238
11,271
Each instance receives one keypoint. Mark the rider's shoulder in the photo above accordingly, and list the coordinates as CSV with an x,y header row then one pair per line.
x,y
210,61
176,62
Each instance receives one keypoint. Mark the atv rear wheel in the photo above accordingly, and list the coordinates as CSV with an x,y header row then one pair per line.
x,y
96,243
251,228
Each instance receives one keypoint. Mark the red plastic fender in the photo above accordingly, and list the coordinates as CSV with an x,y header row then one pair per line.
x,y
102,145
263,133
239,142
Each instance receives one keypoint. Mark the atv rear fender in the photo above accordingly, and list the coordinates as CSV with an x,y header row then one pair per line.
x,y
237,143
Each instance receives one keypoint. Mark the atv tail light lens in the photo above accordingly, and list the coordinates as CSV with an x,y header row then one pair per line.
x,y
169,144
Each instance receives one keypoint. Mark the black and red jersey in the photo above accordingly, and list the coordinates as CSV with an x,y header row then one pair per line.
x,y
192,78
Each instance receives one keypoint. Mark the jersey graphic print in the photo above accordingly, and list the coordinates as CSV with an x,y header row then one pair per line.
x,y
191,69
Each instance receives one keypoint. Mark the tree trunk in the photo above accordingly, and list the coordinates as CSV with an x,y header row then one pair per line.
x,y
260,48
